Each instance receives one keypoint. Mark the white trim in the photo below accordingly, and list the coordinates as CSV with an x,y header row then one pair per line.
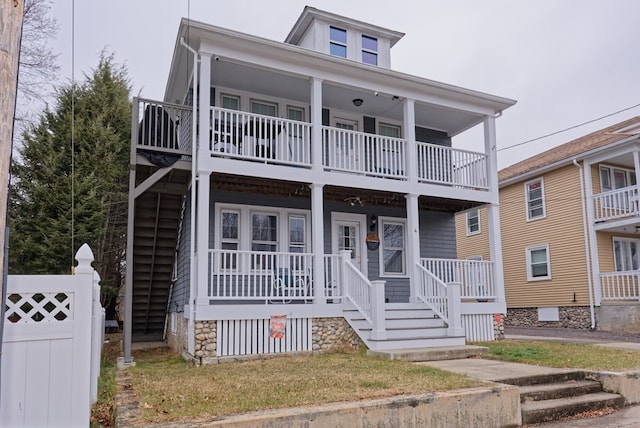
x,y
528,251
526,199
392,220
361,219
477,232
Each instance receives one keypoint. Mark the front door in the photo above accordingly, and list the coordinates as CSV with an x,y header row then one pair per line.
x,y
346,156
348,233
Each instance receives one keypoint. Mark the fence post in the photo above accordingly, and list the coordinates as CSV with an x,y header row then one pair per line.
x,y
453,303
377,310
97,337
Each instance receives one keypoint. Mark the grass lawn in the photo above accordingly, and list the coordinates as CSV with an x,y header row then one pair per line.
x,y
565,355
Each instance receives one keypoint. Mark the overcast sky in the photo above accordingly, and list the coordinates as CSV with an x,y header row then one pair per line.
x,y
564,61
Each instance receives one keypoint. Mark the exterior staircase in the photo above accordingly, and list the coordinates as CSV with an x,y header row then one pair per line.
x,y
157,218
408,326
552,397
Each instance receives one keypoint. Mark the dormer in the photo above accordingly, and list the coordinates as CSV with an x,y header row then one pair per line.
x,y
343,37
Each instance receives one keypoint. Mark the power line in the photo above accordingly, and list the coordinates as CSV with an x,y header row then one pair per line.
x,y
570,128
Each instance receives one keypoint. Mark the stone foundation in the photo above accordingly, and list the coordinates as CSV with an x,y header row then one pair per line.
x,y
333,334
498,326
205,349
577,317
178,340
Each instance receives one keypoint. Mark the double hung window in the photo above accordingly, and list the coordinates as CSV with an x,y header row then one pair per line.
x,y
473,222
369,50
535,199
538,265
338,42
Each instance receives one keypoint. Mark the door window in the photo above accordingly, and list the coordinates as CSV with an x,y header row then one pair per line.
x,y
625,254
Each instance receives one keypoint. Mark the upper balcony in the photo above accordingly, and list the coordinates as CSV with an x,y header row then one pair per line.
x,y
164,132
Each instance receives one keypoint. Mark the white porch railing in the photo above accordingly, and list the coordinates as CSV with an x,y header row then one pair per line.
x,y
163,127
362,153
445,165
476,276
615,204
237,134
620,285
443,299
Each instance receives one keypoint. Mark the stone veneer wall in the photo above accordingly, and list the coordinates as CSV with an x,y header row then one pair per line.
x,y
205,350
498,326
178,340
333,334
570,317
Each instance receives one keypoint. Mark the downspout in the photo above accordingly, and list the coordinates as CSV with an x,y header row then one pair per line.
x,y
586,244
194,179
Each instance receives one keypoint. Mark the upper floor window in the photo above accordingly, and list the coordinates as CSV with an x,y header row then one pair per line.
x,y
231,102
538,266
616,178
369,50
535,199
393,248
338,42
264,108
389,130
473,222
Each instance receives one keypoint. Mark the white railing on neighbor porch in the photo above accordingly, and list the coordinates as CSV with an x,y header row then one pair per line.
x,y
445,165
443,299
362,153
620,285
476,276
615,204
163,128
237,134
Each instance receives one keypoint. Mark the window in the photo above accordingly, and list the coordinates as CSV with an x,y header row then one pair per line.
x,y
393,248
230,237
295,113
231,102
264,232
538,266
389,130
297,229
473,222
535,199
338,42
264,108
625,252
369,50
616,178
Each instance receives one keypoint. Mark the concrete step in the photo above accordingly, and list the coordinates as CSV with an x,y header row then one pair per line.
x,y
431,354
409,323
415,342
545,379
570,388
550,410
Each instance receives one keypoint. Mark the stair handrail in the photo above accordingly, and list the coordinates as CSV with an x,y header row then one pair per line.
x,y
366,296
443,299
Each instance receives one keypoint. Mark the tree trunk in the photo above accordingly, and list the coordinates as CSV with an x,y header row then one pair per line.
x,y
10,31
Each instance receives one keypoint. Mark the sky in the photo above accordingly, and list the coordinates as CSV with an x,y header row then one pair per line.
x,y
565,62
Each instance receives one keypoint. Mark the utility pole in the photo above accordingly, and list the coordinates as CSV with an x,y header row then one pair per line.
x,y
11,12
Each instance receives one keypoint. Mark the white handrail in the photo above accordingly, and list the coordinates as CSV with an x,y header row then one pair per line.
x,y
620,285
614,204
446,165
163,127
476,276
433,292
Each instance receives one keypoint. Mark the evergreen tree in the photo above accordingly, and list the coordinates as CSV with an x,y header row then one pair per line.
x,y
47,179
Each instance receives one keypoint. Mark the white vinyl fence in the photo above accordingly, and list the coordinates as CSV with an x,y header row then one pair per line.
x,y
53,335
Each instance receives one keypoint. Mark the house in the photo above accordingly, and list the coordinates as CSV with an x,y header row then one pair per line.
x,y
570,233
307,198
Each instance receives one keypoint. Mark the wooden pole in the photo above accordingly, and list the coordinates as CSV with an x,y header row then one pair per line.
x,y
10,32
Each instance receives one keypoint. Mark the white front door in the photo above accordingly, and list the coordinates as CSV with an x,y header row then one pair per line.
x,y
347,233
346,156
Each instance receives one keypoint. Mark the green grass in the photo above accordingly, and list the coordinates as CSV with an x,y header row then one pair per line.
x,y
565,355
170,389
102,411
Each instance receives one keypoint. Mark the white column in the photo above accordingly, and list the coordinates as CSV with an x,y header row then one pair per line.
x,y
493,209
636,165
317,241
413,244
202,237
378,331
409,123
593,243
204,106
316,124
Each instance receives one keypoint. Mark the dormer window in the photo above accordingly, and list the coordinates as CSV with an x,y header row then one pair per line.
x,y
369,50
338,42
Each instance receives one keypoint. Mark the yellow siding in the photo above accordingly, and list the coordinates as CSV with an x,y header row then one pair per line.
x,y
474,245
562,230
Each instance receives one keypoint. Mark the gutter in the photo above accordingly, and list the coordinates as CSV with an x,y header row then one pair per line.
x,y
586,244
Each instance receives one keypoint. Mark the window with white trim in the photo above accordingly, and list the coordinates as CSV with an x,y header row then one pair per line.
x,y
264,108
534,191
625,252
338,42
392,248
264,232
230,237
297,234
231,102
369,50
538,265
473,222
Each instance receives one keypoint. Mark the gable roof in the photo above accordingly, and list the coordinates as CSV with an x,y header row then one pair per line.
x,y
568,151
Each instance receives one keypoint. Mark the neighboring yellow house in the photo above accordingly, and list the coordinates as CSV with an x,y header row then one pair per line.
x,y
570,224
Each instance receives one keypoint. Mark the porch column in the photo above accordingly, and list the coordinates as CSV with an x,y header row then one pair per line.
x,y
636,166
593,243
413,244
409,123
316,124
317,241
493,209
202,240
204,106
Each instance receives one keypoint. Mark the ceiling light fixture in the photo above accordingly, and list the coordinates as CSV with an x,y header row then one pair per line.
x,y
357,102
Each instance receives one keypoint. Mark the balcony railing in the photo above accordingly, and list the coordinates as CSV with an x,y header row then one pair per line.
x,y
163,128
620,285
476,276
444,165
615,204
